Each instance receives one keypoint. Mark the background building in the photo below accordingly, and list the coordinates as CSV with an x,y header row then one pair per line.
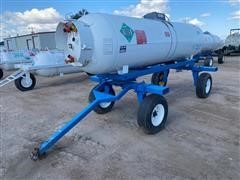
x,y
41,40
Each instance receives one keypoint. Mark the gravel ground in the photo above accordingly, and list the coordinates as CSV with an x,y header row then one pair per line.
x,y
200,141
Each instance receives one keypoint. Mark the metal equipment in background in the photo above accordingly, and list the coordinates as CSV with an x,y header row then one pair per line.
x,y
153,109
8,59
231,45
45,64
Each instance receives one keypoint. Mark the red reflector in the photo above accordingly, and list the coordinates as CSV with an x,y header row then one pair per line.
x,y
70,59
141,37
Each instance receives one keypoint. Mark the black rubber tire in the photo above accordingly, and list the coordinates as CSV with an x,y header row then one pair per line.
x,y
157,79
220,59
19,85
202,85
99,109
1,73
146,108
89,74
208,61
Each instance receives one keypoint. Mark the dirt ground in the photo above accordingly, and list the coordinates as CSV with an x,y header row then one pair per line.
x,y
200,141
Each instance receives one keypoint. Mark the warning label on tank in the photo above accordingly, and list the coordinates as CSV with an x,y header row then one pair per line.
x,y
127,32
107,46
141,37
167,34
123,49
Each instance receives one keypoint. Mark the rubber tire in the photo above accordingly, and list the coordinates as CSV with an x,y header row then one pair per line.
x,y
157,79
145,113
99,109
201,85
1,73
22,88
89,74
208,62
220,59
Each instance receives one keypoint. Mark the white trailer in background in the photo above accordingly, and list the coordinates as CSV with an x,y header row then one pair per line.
x,y
20,49
44,63
232,43
8,59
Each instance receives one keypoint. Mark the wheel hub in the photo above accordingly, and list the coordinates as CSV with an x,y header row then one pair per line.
x,y
157,115
208,86
161,82
105,104
211,62
26,82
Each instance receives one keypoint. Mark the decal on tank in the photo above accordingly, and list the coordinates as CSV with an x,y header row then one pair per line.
x,y
123,49
167,34
127,32
141,37
107,46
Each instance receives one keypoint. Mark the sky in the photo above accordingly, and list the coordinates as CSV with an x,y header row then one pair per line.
x,y
23,16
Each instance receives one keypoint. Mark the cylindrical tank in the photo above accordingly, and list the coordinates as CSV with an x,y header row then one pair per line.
x,y
211,42
102,43
53,58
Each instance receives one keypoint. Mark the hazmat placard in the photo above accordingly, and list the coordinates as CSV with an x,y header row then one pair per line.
x,y
127,32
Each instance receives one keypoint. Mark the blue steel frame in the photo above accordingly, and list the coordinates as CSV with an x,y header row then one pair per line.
x,y
126,82
203,55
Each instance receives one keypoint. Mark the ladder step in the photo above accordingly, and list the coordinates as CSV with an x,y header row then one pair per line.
x,y
12,77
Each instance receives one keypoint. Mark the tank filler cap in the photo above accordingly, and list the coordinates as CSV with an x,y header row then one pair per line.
x,y
206,32
156,16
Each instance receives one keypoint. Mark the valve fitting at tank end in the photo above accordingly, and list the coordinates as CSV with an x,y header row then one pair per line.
x,y
70,59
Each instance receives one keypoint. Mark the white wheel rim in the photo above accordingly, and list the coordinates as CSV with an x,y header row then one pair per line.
x,y
105,104
208,86
211,62
26,82
157,115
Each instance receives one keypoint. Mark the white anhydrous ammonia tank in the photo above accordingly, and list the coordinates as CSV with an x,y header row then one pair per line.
x,y
53,64
102,43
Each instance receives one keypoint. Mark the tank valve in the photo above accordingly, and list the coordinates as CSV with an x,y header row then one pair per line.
x,y
70,59
69,28
66,28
